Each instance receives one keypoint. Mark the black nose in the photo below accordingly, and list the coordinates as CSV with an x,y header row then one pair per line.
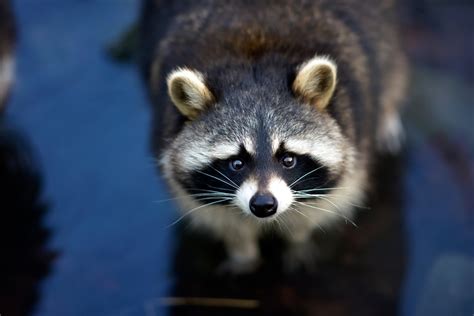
x,y
263,205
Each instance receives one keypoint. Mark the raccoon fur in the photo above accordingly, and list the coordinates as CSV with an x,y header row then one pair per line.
x,y
6,51
268,114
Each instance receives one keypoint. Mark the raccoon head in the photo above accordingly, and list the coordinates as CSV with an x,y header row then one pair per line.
x,y
266,145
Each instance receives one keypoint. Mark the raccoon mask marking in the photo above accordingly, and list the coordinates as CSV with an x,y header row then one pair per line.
x,y
248,160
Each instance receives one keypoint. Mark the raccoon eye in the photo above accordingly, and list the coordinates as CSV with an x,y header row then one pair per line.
x,y
236,164
288,161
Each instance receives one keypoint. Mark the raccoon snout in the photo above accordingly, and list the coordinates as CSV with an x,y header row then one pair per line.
x,y
263,205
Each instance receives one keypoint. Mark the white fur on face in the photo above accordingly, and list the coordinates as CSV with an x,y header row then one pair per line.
x,y
6,75
249,146
281,192
194,157
275,144
243,195
277,187
329,153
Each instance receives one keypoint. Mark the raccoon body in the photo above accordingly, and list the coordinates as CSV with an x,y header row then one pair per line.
x,y
6,51
267,114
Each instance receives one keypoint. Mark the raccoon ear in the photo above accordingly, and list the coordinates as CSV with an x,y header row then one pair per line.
x,y
315,81
188,92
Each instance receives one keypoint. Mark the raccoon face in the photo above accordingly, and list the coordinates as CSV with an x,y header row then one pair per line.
x,y
259,149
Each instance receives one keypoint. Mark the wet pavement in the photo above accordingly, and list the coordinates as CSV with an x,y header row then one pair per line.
x,y
95,233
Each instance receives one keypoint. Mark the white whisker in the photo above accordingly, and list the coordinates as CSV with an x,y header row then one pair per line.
x,y
301,213
318,196
216,193
210,192
220,189
346,202
326,197
305,175
213,198
195,209
328,211
225,177
219,179
322,189
284,223
310,220
279,224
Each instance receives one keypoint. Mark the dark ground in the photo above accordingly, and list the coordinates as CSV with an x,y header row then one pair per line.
x,y
92,188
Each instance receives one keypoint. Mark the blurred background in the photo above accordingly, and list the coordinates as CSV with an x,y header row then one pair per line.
x,y
83,221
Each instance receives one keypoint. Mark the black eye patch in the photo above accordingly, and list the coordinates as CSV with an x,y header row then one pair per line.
x,y
218,182
308,176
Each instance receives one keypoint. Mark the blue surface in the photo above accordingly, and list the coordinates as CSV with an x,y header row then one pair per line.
x,y
88,120
439,227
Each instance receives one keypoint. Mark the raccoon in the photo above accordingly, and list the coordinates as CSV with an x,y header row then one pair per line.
x,y
6,51
268,114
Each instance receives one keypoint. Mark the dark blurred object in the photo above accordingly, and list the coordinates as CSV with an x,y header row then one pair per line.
x,y
7,28
7,36
360,273
25,258
455,153
124,49
440,34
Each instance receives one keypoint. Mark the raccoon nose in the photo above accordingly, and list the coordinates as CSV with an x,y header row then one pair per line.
x,y
263,205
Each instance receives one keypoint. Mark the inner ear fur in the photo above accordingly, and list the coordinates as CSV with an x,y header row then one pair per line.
x,y
315,81
188,92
